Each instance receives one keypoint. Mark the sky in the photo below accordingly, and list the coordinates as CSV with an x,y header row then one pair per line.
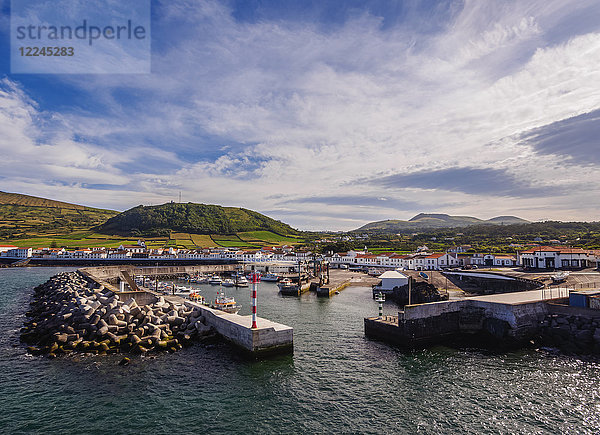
x,y
326,114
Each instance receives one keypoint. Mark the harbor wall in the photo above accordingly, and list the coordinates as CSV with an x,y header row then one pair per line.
x,y
480,320
235,328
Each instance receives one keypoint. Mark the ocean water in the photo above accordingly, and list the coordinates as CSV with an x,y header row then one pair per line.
x,y
337,381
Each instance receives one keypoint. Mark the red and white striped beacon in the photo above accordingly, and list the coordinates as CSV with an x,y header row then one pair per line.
x,y
254,278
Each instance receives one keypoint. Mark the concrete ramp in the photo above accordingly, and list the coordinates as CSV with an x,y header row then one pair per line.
x,y
132,285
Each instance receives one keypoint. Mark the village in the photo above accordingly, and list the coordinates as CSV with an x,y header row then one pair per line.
x,y
537,257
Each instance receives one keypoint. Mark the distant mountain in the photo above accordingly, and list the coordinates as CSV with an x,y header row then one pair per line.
x,y
436,220
25,216
160,220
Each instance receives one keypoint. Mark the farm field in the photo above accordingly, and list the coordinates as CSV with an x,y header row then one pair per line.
x,y
250,240
267,238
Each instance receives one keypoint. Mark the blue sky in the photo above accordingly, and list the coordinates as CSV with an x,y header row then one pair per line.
x,y
326,115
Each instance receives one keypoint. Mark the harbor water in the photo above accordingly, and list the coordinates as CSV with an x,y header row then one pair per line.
x,y
336,380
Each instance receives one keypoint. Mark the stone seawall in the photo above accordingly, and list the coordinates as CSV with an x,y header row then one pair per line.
x,y
464,320
571,329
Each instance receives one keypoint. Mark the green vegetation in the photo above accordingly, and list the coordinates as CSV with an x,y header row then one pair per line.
x,y
23,217
261,237
160,220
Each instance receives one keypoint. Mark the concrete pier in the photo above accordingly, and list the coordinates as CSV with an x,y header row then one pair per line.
x,y
506,318
339,280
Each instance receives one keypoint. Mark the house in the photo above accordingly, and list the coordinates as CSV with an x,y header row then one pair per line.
x,y
553,257
505,260
440,260
4,248
18,253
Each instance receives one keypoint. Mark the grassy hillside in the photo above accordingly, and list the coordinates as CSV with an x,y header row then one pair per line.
x,y
435,220
23,216
192,218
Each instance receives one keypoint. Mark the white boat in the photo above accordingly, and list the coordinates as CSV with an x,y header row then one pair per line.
x,y
560,276
241,281
227,283
287,287
225,303
215,279
196,297
270,277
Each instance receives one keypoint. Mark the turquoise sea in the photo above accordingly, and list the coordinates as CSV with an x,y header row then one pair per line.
x,y
337,381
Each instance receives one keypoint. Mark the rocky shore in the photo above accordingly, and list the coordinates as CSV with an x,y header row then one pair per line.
x,y
421,293
571,333
70,313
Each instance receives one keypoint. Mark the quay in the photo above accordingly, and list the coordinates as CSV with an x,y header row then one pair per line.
x,y
508,319
267,338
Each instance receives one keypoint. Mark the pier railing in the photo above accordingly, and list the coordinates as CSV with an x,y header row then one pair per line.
x,y
563,292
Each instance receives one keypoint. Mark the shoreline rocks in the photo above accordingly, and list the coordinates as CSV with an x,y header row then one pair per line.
x,y
71,313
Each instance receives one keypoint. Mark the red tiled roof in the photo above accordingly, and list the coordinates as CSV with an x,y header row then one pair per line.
x,y
560,250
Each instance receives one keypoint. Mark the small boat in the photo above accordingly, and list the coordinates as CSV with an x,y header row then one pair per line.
x,y
228,283
182,289
287,287
423,275
241,281
225,303
196,297
270,277
215,280
560,276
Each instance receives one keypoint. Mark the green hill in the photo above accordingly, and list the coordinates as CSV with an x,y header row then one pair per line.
x,y
424,221
160,220
29,216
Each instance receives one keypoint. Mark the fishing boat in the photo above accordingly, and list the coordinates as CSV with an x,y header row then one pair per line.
x,y
225,303
227,282
560,276
215,280
196,297
241,281
287,287
270,277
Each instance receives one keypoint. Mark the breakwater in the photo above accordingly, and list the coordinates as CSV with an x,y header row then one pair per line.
x,y
83,311
72,312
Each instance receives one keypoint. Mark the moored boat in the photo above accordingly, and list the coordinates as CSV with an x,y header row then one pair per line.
x,y
196,297
228,283
215,280
225,303
241,281
560,276
270,277
287,287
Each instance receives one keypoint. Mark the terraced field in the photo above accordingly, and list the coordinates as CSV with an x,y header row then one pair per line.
x,y
267,238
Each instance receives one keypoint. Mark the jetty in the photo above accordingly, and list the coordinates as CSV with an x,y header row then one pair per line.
x,y
102,310
267,338
510,319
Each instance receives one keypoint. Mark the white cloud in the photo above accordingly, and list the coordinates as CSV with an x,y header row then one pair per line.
x,y
291,109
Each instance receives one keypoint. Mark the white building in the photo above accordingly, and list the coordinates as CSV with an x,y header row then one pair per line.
x,y
18,253
391,279
551,257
